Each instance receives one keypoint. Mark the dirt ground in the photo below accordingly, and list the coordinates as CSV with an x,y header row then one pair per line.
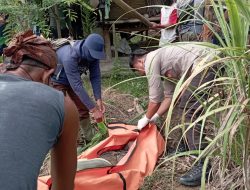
x,y
125,108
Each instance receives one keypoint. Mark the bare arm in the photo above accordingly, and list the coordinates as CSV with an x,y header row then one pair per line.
x,y
152,109
164,106
64,155
159,108
162,26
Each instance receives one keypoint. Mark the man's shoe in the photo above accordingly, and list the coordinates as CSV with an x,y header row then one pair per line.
x,y
193,177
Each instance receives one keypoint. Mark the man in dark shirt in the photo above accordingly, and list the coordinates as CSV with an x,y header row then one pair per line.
x,y
74,60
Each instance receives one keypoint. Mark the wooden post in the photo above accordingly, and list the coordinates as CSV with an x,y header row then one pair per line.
x,y
107,45
115,42
127,8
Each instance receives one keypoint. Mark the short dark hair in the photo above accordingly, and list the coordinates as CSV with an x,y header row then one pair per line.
x,y
135,55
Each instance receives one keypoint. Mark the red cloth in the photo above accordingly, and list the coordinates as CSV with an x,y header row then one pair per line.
x,y
29,45
173,17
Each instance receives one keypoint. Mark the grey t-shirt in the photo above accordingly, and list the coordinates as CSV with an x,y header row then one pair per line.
x,y
31,118
178,58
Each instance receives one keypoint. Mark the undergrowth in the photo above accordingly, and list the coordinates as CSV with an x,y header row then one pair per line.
x,y
127,82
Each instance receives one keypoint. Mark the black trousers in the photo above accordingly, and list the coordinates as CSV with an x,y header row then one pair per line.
x,y
189,105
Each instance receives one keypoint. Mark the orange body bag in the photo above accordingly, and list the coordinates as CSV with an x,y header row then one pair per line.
x,y
145,148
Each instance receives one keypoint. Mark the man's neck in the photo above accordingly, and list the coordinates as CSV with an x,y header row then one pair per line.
x,y
20,72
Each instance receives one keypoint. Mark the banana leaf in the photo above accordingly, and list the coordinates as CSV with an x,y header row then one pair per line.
x,y
101,134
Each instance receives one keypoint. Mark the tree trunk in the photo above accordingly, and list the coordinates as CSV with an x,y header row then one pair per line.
x,y
58,21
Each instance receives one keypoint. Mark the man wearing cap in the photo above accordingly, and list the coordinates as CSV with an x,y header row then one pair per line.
x,y
73,61
35,118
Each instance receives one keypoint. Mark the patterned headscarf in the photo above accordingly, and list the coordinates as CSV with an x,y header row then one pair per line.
x,y
31,46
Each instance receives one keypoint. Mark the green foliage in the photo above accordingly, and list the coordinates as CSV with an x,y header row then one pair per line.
x,y
2,40
72,15
88,20
127,82
86,13
101,134
24,15
229,114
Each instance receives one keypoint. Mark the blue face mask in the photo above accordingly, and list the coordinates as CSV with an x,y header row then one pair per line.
x,y
86,55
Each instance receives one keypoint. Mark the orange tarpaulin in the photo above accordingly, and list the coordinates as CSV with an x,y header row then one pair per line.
x,y
128,174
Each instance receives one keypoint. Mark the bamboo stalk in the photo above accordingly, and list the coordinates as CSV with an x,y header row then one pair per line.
x,y
127,8
115,42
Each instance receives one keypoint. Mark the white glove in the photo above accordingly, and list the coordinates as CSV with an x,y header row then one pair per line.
x,y
142,122
155,117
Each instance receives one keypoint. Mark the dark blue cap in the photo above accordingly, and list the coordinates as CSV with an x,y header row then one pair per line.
x,y
95,44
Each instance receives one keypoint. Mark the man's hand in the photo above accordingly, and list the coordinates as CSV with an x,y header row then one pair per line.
x,y
97,114
100,105
154,25
142,122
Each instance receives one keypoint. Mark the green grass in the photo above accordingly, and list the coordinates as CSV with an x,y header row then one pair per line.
x,y
231,140
127,83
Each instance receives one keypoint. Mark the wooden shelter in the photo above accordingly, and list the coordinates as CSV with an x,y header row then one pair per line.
x,y
128,18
